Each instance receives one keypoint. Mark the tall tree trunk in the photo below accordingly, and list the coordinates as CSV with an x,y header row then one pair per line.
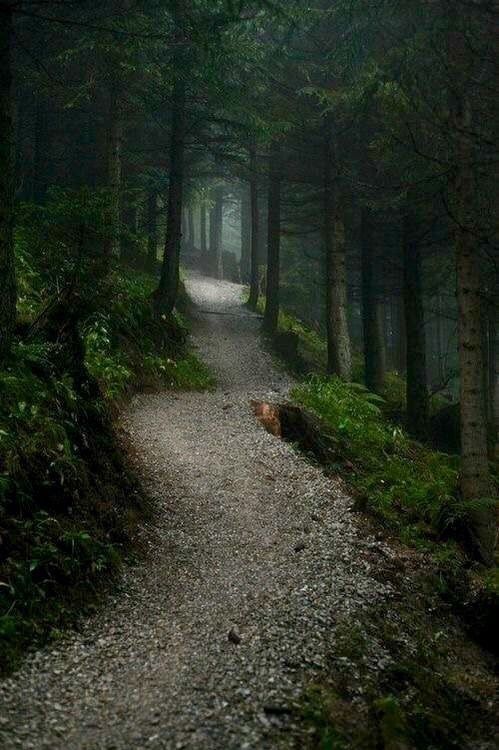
x,y
416,385
7,269
271,315
152,228
114,175
166,293
190,225
494,379
475,476
245,265
439,340
400,333
255,279
372,310
129,224
185,227
216,227
202,230
339,357
41,142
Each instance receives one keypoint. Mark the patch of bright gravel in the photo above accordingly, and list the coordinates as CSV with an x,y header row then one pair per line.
x,y
249,538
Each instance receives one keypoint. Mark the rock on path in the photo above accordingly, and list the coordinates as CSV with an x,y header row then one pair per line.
x,y
253,558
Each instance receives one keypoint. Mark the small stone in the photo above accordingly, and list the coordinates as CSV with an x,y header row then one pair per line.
x,y
299,547
234,637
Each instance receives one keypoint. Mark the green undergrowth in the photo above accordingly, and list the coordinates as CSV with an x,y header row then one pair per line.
x,y
411,488
311,345
69,504
312,358
126,349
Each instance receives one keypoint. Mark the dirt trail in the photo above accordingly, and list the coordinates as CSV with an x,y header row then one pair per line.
x,y
248,535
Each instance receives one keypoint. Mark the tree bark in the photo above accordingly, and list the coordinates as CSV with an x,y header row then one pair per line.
x,y
475,476
255,279
216,227
372,310
129,224
400,333
271,314
190,225
166,294
339,357
245,265
416,383
114,175
202,230
152,228
8,290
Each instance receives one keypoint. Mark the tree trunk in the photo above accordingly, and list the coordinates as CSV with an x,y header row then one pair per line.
x,y
475,477
216,227
255,279
190,225
372,311
400,333
493,378
202,230
41,143
245,264
416,385
152,228
7,268
271,315
339,357
129,223
114,175
166,294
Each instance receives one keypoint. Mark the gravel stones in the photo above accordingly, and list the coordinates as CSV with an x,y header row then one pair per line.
x,y
155,667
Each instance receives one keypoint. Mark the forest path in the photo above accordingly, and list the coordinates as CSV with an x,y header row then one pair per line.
x,y
248,534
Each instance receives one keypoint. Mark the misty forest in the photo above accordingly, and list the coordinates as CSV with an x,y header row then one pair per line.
x,y
249,374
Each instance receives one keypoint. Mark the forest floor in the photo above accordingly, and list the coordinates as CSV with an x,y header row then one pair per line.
x,y
255,565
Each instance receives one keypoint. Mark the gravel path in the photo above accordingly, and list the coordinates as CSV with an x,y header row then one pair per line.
x,y
248,536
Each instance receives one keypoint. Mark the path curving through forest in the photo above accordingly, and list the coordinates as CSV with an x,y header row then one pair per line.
x,y
249,539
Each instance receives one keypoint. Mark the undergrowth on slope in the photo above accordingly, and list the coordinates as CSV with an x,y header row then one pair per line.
x,y
409,487
68,502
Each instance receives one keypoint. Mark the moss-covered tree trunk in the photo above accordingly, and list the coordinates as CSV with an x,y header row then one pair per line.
x,y
416,388
255,231
271,315
7,268
166,294
339,357
372,310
